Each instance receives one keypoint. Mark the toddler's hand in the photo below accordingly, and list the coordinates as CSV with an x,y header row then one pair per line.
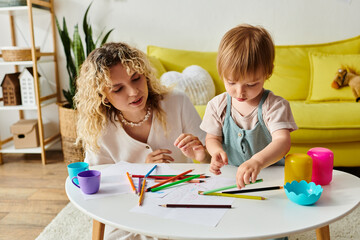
x,y
159,156
218,160
247,170
191,146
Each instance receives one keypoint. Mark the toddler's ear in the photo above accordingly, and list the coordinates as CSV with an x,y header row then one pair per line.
x,y
335,85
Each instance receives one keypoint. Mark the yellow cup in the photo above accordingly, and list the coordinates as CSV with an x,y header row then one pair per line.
x,y
298,166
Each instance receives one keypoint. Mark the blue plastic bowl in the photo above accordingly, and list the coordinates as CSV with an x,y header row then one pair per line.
x,y
303,193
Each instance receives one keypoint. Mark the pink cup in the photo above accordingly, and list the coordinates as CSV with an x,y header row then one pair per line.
x,y
323,162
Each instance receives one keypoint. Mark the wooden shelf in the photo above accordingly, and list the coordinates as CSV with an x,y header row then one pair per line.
x,y
10,148
22,107
22,9
34,7
23,63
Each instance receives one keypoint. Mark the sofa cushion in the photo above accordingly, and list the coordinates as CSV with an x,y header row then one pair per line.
x,y
340,120
178,60
291,77
194,81
323,71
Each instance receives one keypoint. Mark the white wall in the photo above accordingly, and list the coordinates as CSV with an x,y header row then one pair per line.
x,y
200,24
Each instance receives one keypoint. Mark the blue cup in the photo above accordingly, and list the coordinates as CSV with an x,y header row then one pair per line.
x,y
75,168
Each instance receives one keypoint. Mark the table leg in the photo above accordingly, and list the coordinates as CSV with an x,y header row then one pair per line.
x,y
98,230
323,233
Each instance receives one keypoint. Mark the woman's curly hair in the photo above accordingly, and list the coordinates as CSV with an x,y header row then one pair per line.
x,y
93,113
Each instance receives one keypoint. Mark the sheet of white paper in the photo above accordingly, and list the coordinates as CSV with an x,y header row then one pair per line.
x,y
110,185
188,194
114,180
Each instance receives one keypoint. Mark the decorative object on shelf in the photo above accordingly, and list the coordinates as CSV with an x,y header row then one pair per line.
x,y
11,89
11,54
75,55
27,88
25,133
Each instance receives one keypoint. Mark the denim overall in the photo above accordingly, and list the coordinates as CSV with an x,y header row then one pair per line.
x,y
239,144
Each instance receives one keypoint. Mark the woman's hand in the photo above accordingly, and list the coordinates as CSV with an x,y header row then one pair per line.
x,y
159,156
191,147
218,160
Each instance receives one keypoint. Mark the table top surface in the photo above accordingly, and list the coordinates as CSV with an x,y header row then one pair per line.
x,y
276,216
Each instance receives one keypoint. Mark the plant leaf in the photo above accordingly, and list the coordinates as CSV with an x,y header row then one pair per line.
x,y
78,50
88,33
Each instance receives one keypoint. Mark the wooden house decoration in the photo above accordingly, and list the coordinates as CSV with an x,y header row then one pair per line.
x,y
27,87
11,89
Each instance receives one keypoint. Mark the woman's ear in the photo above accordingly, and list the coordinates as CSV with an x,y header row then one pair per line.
x,y
106,101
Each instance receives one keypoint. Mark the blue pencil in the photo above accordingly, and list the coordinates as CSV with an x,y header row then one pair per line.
x,y
150,171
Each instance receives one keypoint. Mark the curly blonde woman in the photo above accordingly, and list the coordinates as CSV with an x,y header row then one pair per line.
x,y
125,114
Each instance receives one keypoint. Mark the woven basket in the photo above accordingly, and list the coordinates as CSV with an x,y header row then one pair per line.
x,y
68,118
72,153
11,54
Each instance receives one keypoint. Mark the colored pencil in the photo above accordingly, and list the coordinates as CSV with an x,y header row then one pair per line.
x,y
191,181
131,183
139,186
194,206
174,183
228,187
170,179
187,175
166,176
141,198
254,190
233,195
150,171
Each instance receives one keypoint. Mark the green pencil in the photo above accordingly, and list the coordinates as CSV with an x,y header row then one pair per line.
x,y
228,187
174,183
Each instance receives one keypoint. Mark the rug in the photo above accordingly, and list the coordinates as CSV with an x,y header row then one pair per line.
x,y
71,223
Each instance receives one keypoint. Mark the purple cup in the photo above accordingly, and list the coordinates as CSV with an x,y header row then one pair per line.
x,y
89,181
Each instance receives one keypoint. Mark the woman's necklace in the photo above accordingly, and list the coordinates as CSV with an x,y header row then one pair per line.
x,y
135,124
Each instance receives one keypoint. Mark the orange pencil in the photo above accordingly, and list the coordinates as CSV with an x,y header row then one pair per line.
x,y
131,182
169,180
142,192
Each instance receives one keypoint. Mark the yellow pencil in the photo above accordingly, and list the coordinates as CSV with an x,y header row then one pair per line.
x,y
142,192
233,195
131,182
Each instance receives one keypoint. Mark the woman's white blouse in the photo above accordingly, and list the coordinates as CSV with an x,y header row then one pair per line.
x,y
181,117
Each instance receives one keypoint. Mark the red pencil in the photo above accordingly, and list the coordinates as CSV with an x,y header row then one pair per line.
x,y
165,176
170,179
191,181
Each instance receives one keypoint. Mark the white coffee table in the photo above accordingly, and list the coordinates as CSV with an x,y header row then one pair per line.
x,y
248,219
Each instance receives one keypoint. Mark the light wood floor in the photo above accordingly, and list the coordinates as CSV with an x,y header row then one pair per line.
x,y
31,194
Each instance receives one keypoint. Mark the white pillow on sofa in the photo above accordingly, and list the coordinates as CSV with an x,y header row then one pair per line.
x,y
195,81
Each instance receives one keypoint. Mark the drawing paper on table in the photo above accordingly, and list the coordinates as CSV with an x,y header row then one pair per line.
x,y
186,194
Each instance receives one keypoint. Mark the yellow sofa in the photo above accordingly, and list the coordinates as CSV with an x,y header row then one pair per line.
x,y
303,74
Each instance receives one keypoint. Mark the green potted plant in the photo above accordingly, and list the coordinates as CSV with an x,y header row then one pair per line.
x,y
75,54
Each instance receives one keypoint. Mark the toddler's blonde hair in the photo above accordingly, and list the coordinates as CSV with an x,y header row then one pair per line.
x,y
93,113
244,50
